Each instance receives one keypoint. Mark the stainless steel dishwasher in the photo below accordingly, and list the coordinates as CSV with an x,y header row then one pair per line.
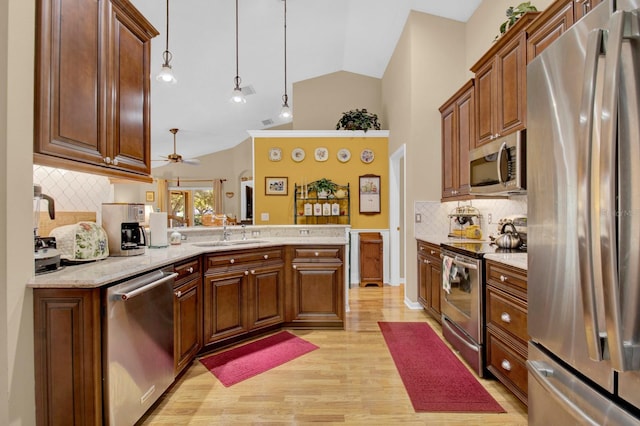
x,y
138,345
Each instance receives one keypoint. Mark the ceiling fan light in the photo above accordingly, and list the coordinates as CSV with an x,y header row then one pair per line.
x,y
166,75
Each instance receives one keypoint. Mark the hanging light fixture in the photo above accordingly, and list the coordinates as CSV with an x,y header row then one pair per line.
x,y
166,73
237,96
285,112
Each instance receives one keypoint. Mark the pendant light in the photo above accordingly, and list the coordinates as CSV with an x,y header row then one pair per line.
x,y
166,73
237,96
285,112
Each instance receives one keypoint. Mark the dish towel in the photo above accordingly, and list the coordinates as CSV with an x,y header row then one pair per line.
x,y
447,263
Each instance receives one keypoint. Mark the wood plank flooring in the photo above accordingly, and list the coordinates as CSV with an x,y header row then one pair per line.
x,y
351,379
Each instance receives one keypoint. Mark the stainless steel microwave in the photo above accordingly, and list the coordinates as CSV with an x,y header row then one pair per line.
x,y
500,166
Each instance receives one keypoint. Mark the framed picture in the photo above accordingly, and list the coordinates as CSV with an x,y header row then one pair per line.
x,y
276,185
369,194
151,196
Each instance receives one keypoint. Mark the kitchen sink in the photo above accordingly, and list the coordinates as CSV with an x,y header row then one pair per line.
x,y
227,243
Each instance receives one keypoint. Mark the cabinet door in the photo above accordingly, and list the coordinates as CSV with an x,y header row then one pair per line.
x,y
465,106
582,7
541,37
434,272
371,268
68,357
423,281
486,93
511,86
70,97
449,152
187,316
266,296
129,135
224,305
318,294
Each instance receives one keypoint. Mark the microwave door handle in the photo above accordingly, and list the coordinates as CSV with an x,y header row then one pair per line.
x,y
503,148
585,205
607,183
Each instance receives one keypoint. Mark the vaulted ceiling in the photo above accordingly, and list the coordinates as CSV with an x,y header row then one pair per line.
x,y
323,36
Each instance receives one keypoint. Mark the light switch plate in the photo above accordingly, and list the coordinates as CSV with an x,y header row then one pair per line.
x,y
418,218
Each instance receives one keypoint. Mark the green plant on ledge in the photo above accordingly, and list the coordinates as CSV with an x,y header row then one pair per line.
x,y
358,119
515,13
322,187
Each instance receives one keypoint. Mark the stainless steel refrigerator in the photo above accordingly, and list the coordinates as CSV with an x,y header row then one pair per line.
x,y
583,177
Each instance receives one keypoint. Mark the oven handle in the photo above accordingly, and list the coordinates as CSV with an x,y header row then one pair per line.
x,y
460,262
138,291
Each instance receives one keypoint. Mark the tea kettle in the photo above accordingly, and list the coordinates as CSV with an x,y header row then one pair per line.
x,y
508,239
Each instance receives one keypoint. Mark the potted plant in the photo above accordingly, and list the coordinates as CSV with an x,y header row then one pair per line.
x,y
322,187
515,13
358,119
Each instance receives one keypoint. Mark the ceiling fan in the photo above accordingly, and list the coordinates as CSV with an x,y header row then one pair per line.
x,y
177,158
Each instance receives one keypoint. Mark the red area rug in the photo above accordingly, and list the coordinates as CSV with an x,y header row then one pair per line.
x,y
432,375
243,362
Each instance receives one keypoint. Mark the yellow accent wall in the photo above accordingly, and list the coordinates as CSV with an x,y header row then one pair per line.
x,y
280,208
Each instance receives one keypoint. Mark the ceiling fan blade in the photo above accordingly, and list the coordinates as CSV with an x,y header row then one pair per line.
x,y
192,162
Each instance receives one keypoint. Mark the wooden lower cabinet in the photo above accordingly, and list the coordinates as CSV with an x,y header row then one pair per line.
x,y
371,258
68,356
187,314
317,287
506,315
429,278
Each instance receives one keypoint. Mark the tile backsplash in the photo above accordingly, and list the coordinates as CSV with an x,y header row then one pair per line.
x,y
435,220
74,191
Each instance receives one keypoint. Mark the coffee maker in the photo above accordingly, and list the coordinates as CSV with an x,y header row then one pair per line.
x,y
46,255
123,224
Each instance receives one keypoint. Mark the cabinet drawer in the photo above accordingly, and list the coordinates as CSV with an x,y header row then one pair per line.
x,y
239,257
320,254
506,363
507,313
428,249
186,271
506,275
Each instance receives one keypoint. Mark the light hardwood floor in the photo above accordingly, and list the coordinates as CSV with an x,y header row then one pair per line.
x,y
350,379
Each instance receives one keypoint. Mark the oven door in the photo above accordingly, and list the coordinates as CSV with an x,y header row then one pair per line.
x,y
462,282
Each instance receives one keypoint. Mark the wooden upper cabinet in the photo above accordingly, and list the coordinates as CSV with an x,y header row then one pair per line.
x,y
550,25
458,137
92,87
501,85
582,7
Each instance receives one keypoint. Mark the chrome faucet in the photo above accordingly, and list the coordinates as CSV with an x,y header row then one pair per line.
x,y
244,232
226,235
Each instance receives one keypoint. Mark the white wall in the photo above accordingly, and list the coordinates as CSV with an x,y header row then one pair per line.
x,y
17,29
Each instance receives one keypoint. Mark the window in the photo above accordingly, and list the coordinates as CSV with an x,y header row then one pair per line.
x,y
188,205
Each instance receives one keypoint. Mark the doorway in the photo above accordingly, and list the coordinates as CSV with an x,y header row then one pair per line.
x,y
397,229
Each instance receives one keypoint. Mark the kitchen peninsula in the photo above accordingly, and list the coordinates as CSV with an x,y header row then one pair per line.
x,y
225,291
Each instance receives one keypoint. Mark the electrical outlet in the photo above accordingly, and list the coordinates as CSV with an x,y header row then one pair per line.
x,y
490,218
264,217
418,218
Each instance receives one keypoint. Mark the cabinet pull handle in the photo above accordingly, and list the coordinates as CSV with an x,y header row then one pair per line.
x,y
506,365
266,256
503,278
505,317
178,293
190,270
232,261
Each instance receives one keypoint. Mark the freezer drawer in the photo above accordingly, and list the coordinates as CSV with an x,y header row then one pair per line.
x,y
558,397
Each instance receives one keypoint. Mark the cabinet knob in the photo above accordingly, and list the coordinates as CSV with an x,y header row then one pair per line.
x,y
505,317
316,254
433,252
115,162
506,365
427,261
503,278
295,267
246,272
253,272
178,293
190,270
107,160
266,256
232,261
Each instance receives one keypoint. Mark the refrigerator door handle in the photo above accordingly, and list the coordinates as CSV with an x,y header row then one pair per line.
x,y
621,24
586,208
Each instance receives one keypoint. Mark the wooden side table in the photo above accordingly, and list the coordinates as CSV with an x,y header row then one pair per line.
x,y
371,259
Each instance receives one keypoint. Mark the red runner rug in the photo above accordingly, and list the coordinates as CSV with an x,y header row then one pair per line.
x,y
243,362
435,379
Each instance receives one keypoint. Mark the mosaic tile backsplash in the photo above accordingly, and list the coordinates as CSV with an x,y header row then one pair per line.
x,y
435,220
74,191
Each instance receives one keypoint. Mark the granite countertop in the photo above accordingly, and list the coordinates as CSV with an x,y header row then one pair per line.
x,y
112,269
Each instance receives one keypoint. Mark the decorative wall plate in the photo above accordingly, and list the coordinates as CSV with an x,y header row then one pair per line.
x,y
275,154
344,155
366,156
297,155
322,154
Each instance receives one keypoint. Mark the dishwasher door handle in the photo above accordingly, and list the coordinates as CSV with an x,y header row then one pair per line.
x,y
143,289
